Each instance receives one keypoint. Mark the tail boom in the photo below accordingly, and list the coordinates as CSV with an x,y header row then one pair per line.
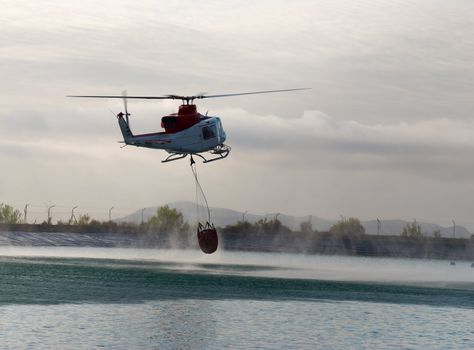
x,y
125,128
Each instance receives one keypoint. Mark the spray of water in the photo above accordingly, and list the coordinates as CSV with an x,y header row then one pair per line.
x,y
414,271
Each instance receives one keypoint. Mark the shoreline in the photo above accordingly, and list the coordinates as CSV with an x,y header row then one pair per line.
x,y
308,243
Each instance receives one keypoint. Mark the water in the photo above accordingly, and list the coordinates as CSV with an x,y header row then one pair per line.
x,y
86,298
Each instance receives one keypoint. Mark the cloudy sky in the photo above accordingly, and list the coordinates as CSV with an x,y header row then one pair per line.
x,y
387,130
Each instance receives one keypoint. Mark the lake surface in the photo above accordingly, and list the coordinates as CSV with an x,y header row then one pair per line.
x,y
87,298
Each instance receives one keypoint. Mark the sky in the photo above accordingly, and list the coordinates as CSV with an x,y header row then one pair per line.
x,y
387,130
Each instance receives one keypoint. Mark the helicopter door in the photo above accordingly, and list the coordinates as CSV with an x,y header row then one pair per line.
x,y
209,135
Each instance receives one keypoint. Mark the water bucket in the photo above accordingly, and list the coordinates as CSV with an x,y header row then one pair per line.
x,y
207,238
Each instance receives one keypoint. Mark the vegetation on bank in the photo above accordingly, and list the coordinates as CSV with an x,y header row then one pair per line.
x,y
168,229
350,226
171,221
262,226
9,215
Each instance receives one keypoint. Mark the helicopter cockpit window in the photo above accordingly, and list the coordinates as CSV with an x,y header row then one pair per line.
x,y
209,132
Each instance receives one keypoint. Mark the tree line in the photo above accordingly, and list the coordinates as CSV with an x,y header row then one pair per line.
x,y
166,219
171,220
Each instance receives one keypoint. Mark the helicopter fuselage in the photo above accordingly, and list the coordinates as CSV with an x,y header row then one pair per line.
x,y
186,132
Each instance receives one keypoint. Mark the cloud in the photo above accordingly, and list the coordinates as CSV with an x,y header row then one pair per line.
x,y
435,148
387,125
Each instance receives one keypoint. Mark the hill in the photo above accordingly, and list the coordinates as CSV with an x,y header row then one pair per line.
x,y
223,217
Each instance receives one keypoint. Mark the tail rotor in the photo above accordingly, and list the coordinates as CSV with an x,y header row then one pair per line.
x,y
124,99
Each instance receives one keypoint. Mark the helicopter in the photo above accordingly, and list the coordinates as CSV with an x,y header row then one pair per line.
x,y
186,132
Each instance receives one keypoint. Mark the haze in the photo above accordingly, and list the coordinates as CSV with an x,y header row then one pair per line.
x,y
387,130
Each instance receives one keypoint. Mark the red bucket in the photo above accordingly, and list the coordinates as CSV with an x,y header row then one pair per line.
x,y
207,238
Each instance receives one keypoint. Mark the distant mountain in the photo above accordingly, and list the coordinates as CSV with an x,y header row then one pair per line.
x,y
223,217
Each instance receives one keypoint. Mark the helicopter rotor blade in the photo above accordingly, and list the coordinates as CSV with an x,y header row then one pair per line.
x,y
249,93
185,98
127,97
124,99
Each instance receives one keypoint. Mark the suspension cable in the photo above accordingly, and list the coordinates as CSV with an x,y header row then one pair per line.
x,y
199,188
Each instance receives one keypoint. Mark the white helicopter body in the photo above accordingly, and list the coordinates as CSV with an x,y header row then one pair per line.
x,y
186,132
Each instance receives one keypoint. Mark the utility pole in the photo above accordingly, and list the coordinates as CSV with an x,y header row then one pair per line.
x,y
25,214
142,214
379,226
50,219
73,217
454,229
243,216
110,214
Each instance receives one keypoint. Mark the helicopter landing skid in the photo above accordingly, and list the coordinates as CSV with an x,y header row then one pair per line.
x,y
174,156
220,152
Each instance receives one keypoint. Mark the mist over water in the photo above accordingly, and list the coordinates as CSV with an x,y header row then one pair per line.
x,y
83,297
279,265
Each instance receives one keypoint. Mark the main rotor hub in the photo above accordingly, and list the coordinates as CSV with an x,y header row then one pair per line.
x,y
187,109
187,100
